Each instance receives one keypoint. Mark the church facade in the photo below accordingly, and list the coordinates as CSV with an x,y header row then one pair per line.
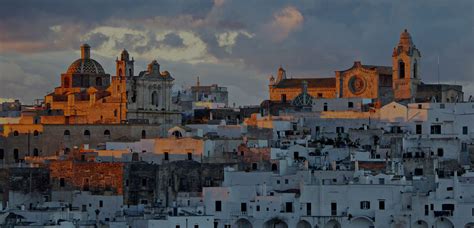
x,y
88,95
383,84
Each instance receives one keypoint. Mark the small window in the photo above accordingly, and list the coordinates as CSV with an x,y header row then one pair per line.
x,y
289,207
365,205
67,133
440,152
16,155
35,133
254,166
107,133
144,182
190,156
101,203
15,133
2,154
218,205
419,130
436,129
449,189
464,130
167,156
420,106
62,183
243,207
143,134
257,208
87,133
286,181
401,69
35,152
381,204
196,226
350,104
442,106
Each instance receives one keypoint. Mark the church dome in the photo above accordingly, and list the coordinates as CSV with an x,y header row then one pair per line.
x,y
85,65
405,39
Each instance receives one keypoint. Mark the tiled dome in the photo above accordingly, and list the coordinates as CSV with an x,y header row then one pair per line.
x,y
85,66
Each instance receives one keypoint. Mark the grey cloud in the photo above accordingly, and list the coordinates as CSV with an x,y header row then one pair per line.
x,y
173,40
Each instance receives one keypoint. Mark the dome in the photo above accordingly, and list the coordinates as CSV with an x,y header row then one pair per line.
x,y
85,66
405,39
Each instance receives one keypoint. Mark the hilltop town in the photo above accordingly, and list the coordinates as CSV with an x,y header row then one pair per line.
x,y
370,146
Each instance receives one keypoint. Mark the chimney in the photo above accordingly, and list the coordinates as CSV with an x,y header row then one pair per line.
x,y
85,51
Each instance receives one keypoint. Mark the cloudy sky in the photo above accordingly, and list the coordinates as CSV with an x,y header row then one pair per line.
x,y
237,44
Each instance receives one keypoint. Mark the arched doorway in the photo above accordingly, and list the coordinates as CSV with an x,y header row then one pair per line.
x,y
362,222
443,223
275,223
243,223
303,224
332,224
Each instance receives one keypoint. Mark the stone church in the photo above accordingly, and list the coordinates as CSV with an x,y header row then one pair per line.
x,y
400,82
88,95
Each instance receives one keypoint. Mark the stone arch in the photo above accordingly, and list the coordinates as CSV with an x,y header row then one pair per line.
x,y
362,222
15,133
35,133
332,224
303,224
443,222
275,223
420,224
243,223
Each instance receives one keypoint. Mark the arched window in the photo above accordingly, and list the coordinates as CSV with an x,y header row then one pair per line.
x,y
274,167
325,107
35,133
415,69
35,152
98,81
154,98
107,133
87,133
177,134
15,133
143,134
120,73
130,72
401,69
115,112
67,133
67,150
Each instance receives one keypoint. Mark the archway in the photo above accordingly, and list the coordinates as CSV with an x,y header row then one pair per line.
x,y
303,224
243,223
443,223
275,223
420,224
332,224
362,222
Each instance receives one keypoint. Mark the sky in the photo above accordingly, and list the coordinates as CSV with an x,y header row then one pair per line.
x,y
237,44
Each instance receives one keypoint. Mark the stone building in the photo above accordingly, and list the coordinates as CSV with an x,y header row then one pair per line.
x,y
383,84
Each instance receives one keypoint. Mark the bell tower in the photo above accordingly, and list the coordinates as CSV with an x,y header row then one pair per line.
x,y
406,63
124,65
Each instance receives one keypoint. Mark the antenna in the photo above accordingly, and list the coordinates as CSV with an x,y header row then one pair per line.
x,y
438,69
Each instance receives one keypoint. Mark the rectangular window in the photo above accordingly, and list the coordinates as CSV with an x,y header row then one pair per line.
x,y
464,130
381,204
463,147
420,106
196,226
333,209
167,156
258,208
190,156
283,98
308,209
339,129
364,205
436,129
243,207
144,184
350,104
320,95
2,154
101,203
427,212
289,207
218,205
419,129
442,106
286,181
440,152
61,182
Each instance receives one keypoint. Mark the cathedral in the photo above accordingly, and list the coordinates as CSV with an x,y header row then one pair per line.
x,y
400,82
88,95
